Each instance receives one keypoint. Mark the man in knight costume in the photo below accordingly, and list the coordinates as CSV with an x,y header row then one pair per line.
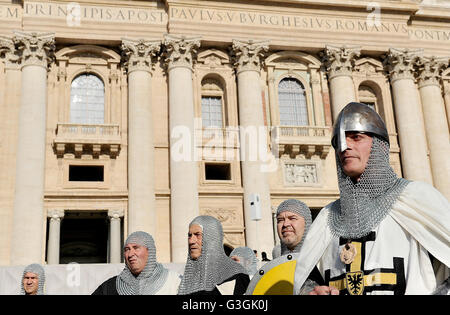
x,y
33,280
385,235
142,274
208,270
293,222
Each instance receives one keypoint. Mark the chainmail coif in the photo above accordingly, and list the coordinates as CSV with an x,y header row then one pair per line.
x,y
39,271
300,208
363,205
152,277
247,259
213,267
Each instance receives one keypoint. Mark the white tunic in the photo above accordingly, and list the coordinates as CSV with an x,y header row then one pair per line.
x,y
418,223
171,285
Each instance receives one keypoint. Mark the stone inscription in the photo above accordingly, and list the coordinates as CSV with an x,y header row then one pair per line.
x,y
303,22
94,13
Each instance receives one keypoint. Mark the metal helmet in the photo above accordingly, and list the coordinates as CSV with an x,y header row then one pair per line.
x,y
357,117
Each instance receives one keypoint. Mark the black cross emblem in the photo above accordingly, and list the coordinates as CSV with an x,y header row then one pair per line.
x,y
358,281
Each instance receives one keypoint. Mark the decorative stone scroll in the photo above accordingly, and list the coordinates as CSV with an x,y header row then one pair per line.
x,y
35,48
430,70
248,55
340,60
180,50
400,63
8,52
138,54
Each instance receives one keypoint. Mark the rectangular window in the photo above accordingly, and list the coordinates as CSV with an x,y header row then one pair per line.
x,y
217,171
88,173
212,111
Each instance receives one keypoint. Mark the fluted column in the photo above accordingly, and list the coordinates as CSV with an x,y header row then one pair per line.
x,y
54,235
408,113
27,235
180,53
339,62
115,249
436,127
138,55
248,58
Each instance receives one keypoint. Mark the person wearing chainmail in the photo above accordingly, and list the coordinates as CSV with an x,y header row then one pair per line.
x,y
293,222
208,270
247,258
385,234
33,280
142,274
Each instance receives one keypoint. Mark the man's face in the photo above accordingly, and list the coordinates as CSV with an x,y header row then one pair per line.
x,y
195,241
30,283
354,158
290,227
136,257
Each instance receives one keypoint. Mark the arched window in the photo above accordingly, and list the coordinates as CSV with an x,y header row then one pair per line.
x,y
292,103
367,96
212,103
87,100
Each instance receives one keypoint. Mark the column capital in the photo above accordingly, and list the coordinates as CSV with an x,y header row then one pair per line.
x,y
340,60
9,53
35,48
138,54
400,63
115,214
180,51
55,214
430,70
249,55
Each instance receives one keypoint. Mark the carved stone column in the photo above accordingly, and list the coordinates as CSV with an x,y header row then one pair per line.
x,y
138,56
8,131
339,62
114,236
54,235
408,113
36,50
248,58
436,127
180,53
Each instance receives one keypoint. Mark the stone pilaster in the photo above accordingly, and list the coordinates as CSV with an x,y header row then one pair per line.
x,y
436,127
339,62
400,65
248,58
114,235
180,55
54,235
139,58
35,50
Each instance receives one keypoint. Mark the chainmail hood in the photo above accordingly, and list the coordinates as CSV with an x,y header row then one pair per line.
x,y
151,279
247,259
39,271
213,266
363,205
302,210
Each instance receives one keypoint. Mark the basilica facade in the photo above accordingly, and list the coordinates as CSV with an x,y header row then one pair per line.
x,y
118,116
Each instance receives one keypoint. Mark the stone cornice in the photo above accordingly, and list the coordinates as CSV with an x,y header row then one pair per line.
x,y
400,63
249,55
35,48
139,53
430,70
340,60
180,51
